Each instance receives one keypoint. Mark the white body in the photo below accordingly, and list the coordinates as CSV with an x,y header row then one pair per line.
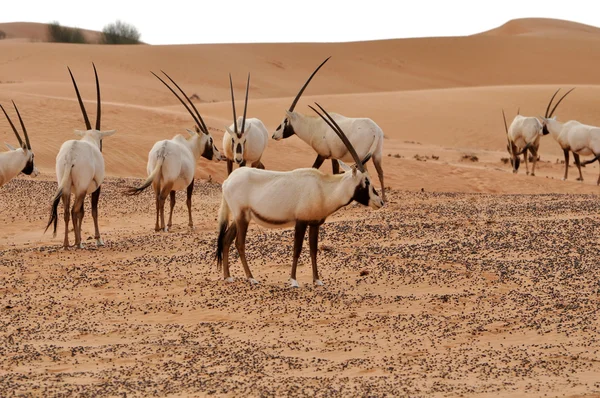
x,y
254,141
525,130
178,161
575,136
13,162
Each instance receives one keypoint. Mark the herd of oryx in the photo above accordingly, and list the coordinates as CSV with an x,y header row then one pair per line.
x,y
303,198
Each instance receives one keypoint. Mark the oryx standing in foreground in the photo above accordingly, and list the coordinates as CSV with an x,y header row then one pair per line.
x,y
20,160
80,169
302,197
246,145
363,133
172,163
579,138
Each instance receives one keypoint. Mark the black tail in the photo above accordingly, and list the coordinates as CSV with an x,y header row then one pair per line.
x,y
524,150
54,212
137,190
597,157
220,241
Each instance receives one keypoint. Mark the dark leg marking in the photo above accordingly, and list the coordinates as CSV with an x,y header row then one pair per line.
x,y
172,197
318,162
566,151
313,240
299,233
190,190
578,164
229,166
66,198
335,166
95,199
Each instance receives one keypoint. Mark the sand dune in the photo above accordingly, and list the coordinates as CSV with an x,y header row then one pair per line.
x,y
36,32
479,279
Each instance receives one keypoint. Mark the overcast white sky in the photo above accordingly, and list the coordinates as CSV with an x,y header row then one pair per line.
x,y
222,21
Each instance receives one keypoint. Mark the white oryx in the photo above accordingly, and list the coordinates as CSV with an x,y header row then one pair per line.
x,y
172,163
80,170
20,160
303,197
523,135
363,133
579,138
246,145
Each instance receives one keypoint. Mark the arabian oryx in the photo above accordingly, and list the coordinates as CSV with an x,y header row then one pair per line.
x,y
363,133
172,163
20,160
80,169
523,135
302,197
246,145
581,139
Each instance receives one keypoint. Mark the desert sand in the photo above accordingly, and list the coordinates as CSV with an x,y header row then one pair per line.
x,y
471,281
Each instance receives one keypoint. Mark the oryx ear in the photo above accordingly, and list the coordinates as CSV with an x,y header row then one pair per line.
x,y
344,166
80,133
10,147
290,115
231,133
107,133
366,158
191,132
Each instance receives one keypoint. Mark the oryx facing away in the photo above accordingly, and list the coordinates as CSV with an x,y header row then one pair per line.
x,y
579,138
245,145
19,160
302,197
172,163
363,133
80,169
523,135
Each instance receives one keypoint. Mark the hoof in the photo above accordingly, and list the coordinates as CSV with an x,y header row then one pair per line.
x,y
319,283
99,242
294,283
579,179
229,280
191,227
166,229
563,179
527,173
532,174
253,281
79,246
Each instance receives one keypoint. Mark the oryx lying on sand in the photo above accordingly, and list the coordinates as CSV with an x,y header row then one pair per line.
x,y
363,133
172,163
245,145
80,169
19,160
303,198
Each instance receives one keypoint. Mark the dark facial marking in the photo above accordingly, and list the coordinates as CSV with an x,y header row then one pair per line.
x,y
288,130
517,163
28,169
238,148
208,151
361,194
545,130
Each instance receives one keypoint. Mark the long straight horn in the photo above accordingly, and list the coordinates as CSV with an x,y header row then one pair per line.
x,y
505,125
336,128
202,127
23,127
561,98
98,107
306,84
85,116
245,104
180,100
13,127
550,103
235,126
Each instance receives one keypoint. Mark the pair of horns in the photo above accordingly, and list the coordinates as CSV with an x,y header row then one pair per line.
x,y
336,128
197,117
28,144
98,109
306,84
548,115
235,126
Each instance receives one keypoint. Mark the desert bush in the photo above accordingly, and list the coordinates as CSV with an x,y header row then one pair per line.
x,y
64,34
120,33
2,34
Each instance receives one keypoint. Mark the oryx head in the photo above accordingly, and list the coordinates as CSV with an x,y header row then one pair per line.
x,y
365,192
95,134
29,168
238,135
201,138
548,116
285,129
515,159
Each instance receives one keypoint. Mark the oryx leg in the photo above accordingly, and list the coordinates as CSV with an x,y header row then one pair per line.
x,y
172,202
318,162
313,241
188,202
240,244
598,183
66,198
299,233
258,164
95,199
377,163
77,217
578,164
229,166
335,166
157,197
566,151
230,235
162,199
526,156
535,156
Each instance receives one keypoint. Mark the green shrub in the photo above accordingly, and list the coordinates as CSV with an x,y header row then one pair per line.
x,y
64,34
120,33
